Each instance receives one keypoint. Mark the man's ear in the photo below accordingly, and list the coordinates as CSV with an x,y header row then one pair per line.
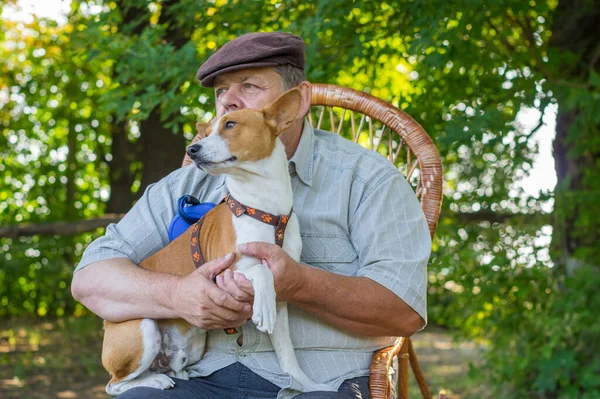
x,y
284,110
306,92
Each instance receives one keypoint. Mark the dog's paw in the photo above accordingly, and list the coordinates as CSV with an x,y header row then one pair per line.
x,y
264,312
182,375
158,381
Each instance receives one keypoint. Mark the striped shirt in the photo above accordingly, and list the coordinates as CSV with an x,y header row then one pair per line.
x,y
358,217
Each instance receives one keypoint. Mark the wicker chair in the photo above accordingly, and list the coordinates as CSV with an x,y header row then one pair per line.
x,y
390,131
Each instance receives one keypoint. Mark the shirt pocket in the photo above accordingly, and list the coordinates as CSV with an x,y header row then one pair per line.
x,y
330,252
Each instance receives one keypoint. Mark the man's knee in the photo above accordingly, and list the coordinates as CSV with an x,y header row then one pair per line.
x,y
149,393
356,388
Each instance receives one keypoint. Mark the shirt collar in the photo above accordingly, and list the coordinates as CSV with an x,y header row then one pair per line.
x,y
302,160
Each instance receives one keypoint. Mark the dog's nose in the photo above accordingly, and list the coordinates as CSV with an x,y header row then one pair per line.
x,y
193,149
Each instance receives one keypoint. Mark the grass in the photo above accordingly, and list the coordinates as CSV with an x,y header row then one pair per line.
x,y
61,359
51,359
445,365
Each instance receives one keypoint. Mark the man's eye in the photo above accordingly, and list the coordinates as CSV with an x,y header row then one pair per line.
x,y
249,86
230,124
220,91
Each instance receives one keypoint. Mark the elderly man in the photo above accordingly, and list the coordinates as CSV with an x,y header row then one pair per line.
x,y
362,276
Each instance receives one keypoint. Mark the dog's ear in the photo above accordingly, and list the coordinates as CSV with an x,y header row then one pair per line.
x,y
201,127
284,110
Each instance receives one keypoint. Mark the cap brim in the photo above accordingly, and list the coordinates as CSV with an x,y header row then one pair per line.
x,y
209,80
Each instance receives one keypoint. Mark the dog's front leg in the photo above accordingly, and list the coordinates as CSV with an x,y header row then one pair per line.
x,y
264,310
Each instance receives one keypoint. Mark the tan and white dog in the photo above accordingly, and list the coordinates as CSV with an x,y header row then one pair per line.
x,y
244,146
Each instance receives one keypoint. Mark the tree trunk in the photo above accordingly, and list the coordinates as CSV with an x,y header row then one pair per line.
x,y
162,151
71,211
575,234
121,176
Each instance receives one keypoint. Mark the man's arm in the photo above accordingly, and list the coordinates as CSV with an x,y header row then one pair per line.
x,y
355,304
109,282
117,290
386,295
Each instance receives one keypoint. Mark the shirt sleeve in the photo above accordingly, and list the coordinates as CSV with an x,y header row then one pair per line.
x,y
390,233
142,232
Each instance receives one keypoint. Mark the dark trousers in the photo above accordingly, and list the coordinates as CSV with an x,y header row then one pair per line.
x,y
239,382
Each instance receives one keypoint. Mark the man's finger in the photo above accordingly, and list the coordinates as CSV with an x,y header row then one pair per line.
x,y
223,299
216,266
226,282
223,319
243,283
257,249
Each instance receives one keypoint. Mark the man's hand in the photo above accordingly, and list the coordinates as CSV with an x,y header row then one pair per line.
x,y
237,285
289,275
198,299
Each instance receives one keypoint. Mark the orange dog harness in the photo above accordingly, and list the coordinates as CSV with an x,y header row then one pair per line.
x,y
238,209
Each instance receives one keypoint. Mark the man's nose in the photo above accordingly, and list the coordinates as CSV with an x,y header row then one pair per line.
x,y
193,150
230,100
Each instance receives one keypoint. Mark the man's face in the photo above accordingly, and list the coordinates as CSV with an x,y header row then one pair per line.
x,y
247,88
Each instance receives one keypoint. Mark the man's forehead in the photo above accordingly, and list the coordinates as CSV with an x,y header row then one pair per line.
x,y
232,79
262,74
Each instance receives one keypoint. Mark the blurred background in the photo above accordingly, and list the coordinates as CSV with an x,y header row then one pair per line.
x,y
98,99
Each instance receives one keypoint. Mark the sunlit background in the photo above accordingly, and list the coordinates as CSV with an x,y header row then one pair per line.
x,y
541,177
80,102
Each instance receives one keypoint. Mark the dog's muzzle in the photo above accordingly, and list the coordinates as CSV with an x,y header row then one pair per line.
x,y
193,150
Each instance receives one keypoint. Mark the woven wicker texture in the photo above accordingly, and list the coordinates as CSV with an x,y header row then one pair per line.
x,y
388,130
378,125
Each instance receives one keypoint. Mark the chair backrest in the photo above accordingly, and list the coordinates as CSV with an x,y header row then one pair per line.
x,y
386,129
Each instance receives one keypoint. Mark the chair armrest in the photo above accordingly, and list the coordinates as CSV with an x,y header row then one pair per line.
x,y
379,375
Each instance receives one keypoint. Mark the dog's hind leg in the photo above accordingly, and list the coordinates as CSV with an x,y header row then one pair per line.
x,y
128,352
146,379
183,345
179,359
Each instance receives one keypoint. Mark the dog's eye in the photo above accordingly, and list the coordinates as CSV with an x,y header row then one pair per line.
x,y
230,124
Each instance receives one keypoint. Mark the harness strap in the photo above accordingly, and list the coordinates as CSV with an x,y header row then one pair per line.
x,y
197,255
199,260
278,222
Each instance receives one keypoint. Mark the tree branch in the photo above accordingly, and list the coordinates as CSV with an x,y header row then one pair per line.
x,y
58,228
537,218
595,58
509,47
527,31
85,226
531,47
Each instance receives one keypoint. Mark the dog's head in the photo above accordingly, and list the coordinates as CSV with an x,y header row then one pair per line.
x,y
245,135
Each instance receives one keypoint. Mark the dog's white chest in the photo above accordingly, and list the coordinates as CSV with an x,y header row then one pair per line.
x,y
248,229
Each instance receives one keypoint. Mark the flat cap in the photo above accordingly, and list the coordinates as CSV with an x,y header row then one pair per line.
x,y
253,50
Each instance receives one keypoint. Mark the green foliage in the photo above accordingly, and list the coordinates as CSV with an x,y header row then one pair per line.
x,y
547,332
463,69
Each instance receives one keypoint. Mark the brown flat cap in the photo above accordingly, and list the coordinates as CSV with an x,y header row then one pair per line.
x,y
253,50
